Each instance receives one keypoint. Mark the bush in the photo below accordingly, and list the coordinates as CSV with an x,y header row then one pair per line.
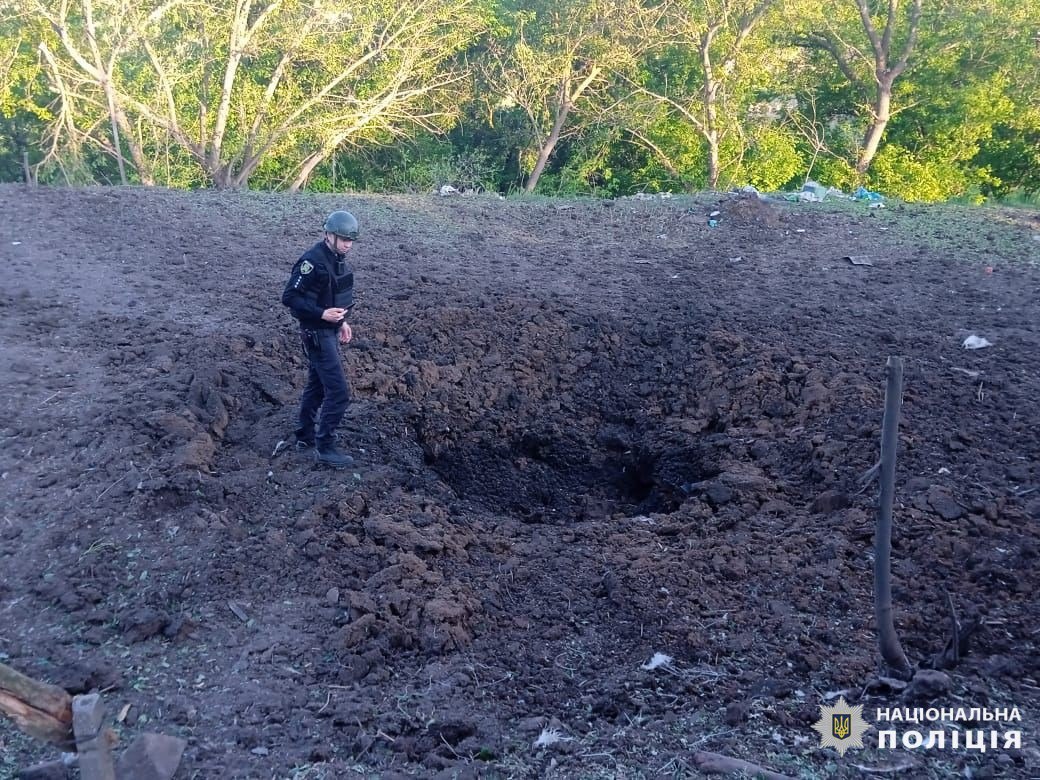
x,y
773,159
897,172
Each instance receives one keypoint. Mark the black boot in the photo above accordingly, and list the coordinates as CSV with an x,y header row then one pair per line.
x,y
328,455
304,437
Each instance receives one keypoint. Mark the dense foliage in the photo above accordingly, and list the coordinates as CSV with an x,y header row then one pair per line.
x,y
924,99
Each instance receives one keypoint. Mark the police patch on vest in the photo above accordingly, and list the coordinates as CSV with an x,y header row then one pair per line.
x,y
306,267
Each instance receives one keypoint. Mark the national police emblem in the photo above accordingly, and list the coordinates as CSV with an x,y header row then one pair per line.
x,y
306,267
841,726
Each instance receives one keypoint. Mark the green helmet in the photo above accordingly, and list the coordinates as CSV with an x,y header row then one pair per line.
x,y
343,224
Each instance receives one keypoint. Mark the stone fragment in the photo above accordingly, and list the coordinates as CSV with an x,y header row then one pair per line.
x,y
151,757
943,504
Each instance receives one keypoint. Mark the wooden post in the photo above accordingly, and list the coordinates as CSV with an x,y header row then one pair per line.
x,y
40,710
891,650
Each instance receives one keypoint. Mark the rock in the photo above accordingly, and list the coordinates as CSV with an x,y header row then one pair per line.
x,y
943,504
332,596
718,494
151,757
928,685
142,624
830,501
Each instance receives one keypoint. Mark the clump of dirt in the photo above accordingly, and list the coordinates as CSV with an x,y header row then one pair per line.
x,y
585,433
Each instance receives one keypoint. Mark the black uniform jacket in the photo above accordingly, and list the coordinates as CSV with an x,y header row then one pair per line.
x,y
320,280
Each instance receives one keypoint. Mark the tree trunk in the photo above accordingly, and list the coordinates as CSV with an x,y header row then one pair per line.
x,y
550,143
116,145
224,178
711,109
872,138
133,143
307,168
714,173
40,710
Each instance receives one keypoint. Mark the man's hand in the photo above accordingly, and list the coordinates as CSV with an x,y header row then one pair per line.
x,y
345,333
333,315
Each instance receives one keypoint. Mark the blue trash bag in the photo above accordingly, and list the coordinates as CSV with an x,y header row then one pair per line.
x,y
862,193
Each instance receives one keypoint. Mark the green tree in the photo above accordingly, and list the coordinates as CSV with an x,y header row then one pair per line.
x,y
707,77
23,114
963,104
872,44
234,85
555,61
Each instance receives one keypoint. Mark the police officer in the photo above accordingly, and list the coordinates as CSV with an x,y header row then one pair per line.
x,y
320,294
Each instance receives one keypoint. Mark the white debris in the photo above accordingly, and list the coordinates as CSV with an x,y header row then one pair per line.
x,y
976,342
550,736
658,660
447,189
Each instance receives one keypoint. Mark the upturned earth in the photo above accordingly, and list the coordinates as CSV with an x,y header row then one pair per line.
x,y
586,432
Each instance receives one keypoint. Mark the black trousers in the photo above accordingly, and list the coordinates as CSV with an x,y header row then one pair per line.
x,y
327,394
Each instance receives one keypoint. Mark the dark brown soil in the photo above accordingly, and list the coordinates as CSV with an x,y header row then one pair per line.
x,y
585,433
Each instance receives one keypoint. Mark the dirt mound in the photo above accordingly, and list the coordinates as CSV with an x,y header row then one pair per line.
x,y
749,208
583,435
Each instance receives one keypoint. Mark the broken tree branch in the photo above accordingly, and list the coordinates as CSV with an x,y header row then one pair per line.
x,y
39,709
717,764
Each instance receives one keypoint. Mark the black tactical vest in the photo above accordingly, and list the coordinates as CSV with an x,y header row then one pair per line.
x,y
342,284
